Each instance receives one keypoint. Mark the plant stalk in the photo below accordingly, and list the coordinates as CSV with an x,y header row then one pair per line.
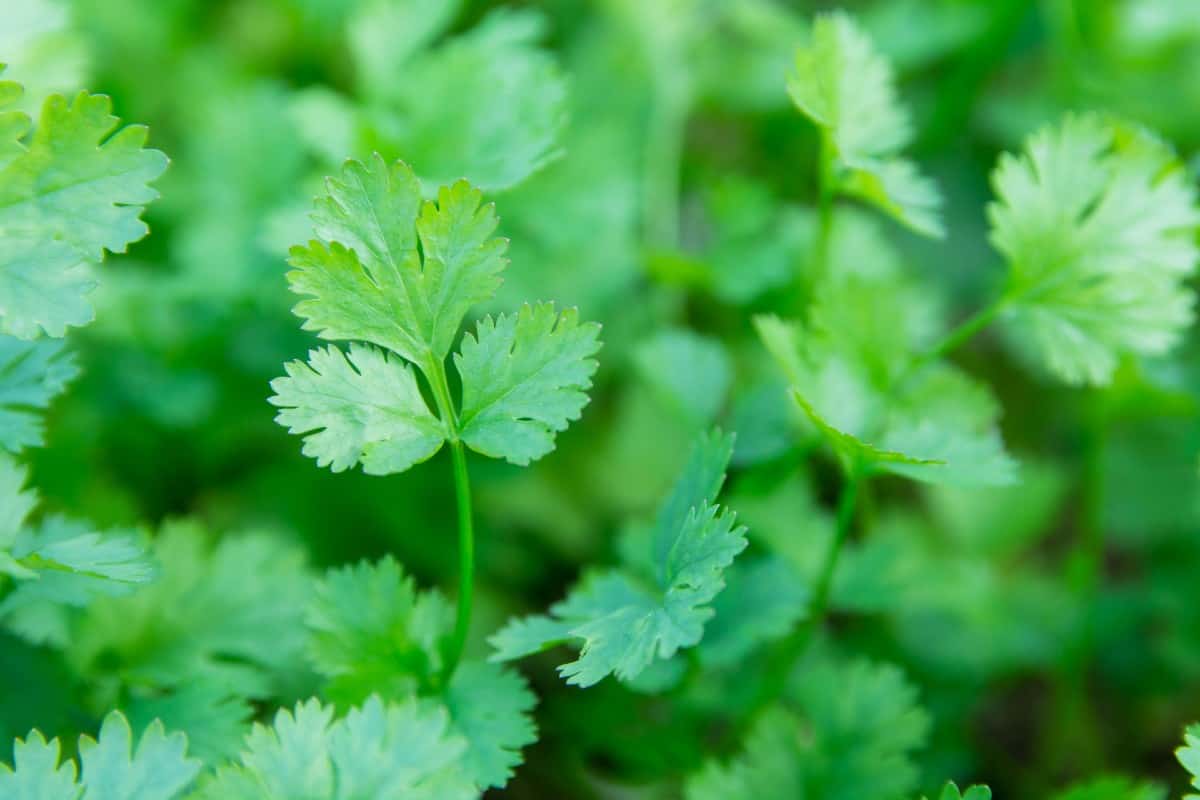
x,y
826,189
466,557
964,332
847,504
435,370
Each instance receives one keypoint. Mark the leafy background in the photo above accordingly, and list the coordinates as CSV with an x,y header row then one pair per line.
x,y
649,168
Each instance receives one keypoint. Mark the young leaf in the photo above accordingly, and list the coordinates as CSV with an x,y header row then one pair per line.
x,y
362,408
624,625
843,85
68,192
1113,787
401,751
366,278
158,769
31,375
1097,222
524,379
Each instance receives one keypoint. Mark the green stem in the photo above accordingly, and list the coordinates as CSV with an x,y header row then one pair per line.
x,y
466,557
826,189
964,331
435,370
780,667
661,172
845,521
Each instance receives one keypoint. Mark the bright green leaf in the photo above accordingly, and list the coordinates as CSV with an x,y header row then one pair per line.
x,y
524,379
362,407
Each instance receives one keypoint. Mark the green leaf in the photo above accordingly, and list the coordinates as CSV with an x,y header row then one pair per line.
x,y
158,769
851,736
373,632
36,772
69,562
72,191
403,751
362,408
1189,757
490,706
978,792
31,375
199,626
847,88
1097,222
524,379
854,384
624,625
366,278
510,98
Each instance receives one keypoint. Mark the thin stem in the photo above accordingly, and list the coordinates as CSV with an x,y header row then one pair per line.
x,y
466,557
435,370
664,156
826,189
794,646
845,521
964,331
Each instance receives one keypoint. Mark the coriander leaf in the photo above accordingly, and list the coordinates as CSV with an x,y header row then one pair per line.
x,y
372,631
158,769
524,378
385,35
36,773
31,375
490,706
850,380
509,110
199,627
851,736
978,792
366,278
847,88
68,192
364,407
1097,222
399,751
69,562
1189,757
625,625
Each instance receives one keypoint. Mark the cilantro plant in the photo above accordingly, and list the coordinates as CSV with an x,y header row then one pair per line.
x,y
883,486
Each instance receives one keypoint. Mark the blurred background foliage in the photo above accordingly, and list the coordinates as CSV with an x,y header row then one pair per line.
x,y
649,168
